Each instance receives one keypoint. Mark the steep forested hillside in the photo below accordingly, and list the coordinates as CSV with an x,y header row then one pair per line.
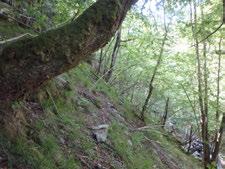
x,y
109,84
62,126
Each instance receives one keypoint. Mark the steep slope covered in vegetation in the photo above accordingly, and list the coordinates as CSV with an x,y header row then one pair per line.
x,y
56,130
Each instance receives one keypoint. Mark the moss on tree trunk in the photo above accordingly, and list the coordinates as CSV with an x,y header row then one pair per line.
x,y
28,63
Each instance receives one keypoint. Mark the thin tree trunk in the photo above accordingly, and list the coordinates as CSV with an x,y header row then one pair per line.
x,y
206,100
193,109
129,88
204,112
217,139
105,57
223,11
150,87
190,139
100,61
27,64
218,82
165,113
114,55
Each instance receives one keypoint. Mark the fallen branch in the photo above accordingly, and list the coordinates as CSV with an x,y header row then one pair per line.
x,y
16,38
146,127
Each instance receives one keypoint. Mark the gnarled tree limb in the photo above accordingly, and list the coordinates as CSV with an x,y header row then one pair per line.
x,y
28,63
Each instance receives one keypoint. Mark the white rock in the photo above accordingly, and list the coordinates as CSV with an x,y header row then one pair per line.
x,y
130,142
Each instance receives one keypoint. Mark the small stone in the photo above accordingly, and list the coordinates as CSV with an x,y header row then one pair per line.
x,y
130,142
62,140
98,166
100,133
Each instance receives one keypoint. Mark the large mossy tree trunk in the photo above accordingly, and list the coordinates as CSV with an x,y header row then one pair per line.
x,y
26,64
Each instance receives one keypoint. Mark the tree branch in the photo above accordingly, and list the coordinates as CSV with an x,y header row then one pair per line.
x,y
209,35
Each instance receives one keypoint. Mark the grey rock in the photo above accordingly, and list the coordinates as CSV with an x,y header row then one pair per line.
x,y
197,155
62,140
100,132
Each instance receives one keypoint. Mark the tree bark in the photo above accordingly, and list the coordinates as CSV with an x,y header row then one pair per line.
x,y
190,139
206,103
219,131
150,88
203,99
218,139
223,11
218,83
193,108
114,55
27,64
165,113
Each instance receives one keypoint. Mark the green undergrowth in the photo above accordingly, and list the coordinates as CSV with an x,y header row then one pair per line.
x,y
173,148
59,135
129,147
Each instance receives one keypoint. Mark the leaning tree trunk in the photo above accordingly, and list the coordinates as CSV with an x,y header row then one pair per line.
x,y
114,56
150,87
27,64
192,107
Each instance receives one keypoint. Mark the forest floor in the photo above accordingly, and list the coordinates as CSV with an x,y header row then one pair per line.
x,y
55,129
58,127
